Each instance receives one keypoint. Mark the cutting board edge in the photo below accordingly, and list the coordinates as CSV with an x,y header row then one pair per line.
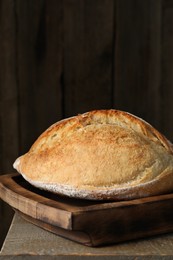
x,y
36,209
113,224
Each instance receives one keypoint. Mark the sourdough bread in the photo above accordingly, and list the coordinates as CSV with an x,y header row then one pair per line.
x,y
102,154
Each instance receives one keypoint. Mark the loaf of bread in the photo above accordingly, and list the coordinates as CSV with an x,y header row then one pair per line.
x,y
102,154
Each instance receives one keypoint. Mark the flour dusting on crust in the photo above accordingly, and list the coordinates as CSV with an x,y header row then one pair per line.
x,y
102,154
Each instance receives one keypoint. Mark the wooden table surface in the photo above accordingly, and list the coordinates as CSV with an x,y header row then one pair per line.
x,y
26,241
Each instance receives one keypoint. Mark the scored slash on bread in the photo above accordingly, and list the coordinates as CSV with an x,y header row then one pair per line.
x,y
102,154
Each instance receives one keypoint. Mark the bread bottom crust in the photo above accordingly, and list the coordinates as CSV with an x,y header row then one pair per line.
x,y
133,192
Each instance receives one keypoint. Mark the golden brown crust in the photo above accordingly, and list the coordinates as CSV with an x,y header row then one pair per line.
x,y
102,154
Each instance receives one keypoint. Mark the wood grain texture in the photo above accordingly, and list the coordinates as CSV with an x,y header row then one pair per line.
x,y
39,45
8,96
26,241
60,58
167,68
8,100
92,223
88,48
137,73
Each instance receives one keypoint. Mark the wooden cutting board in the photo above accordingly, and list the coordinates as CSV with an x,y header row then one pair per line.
x,y
92,223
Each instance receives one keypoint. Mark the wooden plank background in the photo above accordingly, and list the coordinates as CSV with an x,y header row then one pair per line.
x,y
60,58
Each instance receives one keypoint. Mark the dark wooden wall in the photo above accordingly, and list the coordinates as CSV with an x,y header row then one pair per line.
x,y
63,57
